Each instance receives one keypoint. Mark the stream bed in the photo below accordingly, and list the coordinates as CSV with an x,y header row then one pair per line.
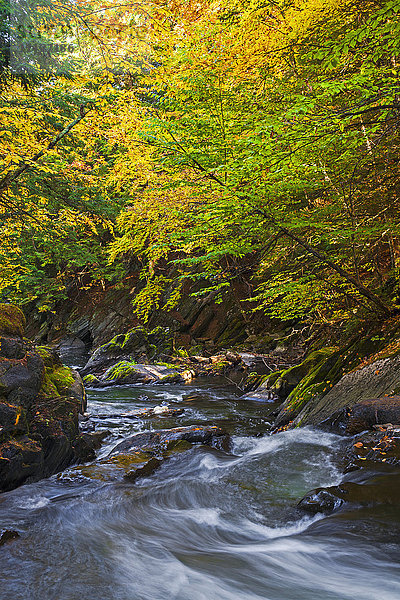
x,y
206,525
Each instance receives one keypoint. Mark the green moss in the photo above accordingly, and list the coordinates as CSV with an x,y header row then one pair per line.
x,y
12,320
62,378
270,379
294,375
48,388
220,366
181,353
125,461
176,446
196,350
170,378
50,358
121,370
56,381
165,364
89,379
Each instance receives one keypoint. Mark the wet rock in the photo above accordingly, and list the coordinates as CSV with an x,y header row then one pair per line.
x,y
7,535
375,447
144,470
141,454
20,459
157,441
320,501
377,490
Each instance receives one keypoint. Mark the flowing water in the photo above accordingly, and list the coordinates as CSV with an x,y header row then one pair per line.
x,y
206,525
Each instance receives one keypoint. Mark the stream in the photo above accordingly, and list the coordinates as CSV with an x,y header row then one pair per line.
x,y
206,525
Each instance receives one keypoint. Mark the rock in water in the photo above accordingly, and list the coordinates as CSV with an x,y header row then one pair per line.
x,y
378,489
141,454
158,441
7,535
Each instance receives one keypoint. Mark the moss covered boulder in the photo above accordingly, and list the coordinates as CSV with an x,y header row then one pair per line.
x,y
137,345
40,400
141,454
12,321
128,372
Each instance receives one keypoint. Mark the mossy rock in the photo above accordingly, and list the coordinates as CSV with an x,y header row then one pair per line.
x,y
49,356
174,377
314,382
177,446
90,380
120,371
12,320
56,381
126,461
294,375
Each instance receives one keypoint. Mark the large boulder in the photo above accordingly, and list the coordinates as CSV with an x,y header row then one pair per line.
x,y
40,400
378,379
136,345
128,372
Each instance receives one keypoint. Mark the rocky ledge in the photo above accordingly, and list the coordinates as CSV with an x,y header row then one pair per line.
x,y
40,400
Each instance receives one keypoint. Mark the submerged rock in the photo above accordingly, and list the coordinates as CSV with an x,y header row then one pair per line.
x,y
7,535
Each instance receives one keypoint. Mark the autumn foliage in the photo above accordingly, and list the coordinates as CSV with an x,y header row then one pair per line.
x,y
211,135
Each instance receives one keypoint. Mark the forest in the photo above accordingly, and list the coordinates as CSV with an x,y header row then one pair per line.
x,y
199,299
237,139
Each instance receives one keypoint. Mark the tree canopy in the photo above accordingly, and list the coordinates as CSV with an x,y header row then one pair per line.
x,y
235,139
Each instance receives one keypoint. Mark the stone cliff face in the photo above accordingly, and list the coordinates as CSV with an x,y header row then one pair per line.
x,y
95,316
40,400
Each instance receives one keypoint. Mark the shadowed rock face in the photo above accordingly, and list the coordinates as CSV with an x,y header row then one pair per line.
x,y
364,415
39,403
380,378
